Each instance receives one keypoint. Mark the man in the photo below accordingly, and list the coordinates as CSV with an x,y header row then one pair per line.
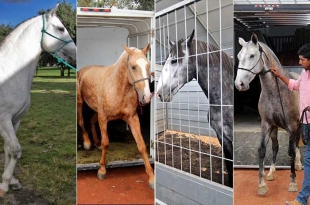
x,y
302,84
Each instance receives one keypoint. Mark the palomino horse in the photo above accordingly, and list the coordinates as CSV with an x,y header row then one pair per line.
x,y
112,92
181,67
255,58
19,54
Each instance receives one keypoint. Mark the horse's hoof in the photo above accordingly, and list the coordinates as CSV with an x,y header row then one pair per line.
x,y
151,185
16,186
2,193
298,166
293,187
262,189
99,148
270,177
101,176
86,145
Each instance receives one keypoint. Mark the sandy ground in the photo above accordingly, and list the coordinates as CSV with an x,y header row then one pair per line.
x,y
128,185
246,183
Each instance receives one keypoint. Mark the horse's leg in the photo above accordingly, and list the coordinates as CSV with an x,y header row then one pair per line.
x,y
134,125
262,186
13,152
298,165
14,183
275,149
226,140
103,123
292,154
80,101
93,122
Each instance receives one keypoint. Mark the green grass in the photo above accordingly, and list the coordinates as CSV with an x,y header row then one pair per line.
x,y
47,134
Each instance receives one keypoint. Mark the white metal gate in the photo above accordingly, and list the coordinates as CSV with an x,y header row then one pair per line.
x,y
189,160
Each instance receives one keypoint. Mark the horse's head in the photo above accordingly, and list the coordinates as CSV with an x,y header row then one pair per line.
x,y
250,62
178,69
56,39
138,69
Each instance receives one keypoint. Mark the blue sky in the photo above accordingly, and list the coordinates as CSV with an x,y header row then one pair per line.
x,y
15,11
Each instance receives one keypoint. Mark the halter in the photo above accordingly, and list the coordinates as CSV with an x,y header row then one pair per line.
x,y
55,55
261,51
134,82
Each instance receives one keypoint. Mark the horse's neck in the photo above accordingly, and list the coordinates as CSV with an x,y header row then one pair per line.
x,y
271,61
20,51
120,71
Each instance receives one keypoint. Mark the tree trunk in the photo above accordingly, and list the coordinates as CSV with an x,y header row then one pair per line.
x,y
62,71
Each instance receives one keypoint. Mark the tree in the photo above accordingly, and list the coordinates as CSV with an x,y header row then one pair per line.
x,y
4,31
147,5
67,14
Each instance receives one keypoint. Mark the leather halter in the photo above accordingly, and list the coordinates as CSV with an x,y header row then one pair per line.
x,y
134,84
261,51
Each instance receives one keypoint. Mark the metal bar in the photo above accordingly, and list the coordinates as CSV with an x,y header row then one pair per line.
x,y
256,167
95,166
175,7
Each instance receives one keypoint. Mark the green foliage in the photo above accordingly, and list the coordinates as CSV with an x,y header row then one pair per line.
x,y
4,31
147,5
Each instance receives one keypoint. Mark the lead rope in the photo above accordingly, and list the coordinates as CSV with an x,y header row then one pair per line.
x,y
59,60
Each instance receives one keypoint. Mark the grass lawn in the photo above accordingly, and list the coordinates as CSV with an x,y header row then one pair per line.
x,y
47,134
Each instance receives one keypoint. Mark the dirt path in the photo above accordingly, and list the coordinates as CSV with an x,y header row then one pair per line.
x,y
245,188
128,185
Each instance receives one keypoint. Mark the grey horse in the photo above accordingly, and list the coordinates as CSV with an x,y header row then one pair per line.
x,y
215,80
255,58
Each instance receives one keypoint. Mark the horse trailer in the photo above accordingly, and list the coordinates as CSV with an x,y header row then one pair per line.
x,y
101,33
201,174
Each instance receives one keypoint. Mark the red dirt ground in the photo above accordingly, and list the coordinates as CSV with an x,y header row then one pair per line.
x,y
127,185
246,183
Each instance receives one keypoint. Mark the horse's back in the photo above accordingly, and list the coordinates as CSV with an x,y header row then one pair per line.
x,y
293,75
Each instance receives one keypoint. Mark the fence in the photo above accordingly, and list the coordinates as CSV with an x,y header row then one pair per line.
x,y
188,151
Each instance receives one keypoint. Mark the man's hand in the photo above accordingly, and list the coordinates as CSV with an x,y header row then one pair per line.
x,y
275,72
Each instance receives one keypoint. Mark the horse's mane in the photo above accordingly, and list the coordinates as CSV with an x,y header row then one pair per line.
x,y
272,60
202,48
21,26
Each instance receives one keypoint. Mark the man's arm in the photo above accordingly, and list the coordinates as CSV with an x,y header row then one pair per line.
x,y
279,75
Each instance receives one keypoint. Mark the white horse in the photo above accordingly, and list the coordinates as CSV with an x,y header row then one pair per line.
x,y
19,54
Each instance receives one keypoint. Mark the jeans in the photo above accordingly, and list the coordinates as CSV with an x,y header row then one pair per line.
x,y
305,190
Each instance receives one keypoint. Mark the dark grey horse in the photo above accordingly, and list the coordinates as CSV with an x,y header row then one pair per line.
x,y
214,78
255,58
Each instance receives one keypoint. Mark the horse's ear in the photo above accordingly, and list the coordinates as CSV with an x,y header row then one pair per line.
x,y
254,38
242,41
190,38
171,43
128,50
53,11
146,49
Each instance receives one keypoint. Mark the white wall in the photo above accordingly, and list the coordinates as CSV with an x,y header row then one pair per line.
x,y
100,46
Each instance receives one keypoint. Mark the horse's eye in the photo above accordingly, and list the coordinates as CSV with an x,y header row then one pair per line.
x,y
62,29
173,61
252,56
133,67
